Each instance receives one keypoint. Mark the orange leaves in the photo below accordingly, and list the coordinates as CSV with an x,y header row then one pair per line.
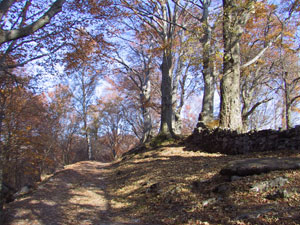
x,y
296,109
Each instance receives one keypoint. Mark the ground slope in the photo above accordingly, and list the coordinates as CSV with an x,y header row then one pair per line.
x,y
166,185
74,195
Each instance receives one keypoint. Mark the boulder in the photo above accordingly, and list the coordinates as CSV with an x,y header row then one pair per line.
x,y
253,166
266,185
278,194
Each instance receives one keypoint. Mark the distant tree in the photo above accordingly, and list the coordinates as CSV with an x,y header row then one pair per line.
x,y
138,69
113,128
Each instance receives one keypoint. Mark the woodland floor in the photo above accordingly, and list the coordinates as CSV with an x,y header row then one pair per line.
x,y
166,185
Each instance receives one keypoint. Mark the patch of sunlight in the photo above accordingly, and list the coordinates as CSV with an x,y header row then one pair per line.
x,y
45,176
118,204
33,201
179,151
129,188
150,159
192,178
49,203
23,212
87,197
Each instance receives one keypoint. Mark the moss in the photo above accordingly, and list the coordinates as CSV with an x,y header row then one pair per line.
x,y
161,140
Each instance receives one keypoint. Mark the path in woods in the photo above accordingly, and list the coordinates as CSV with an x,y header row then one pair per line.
x,y
74,195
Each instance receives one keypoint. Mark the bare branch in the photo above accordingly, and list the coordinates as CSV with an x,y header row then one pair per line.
x,y
294,99
9,35
255,106
260,54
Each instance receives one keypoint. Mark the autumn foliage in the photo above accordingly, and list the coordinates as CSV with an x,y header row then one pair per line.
x,y
101,77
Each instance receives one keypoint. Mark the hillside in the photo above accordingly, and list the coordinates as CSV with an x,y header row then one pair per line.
x,y
165,185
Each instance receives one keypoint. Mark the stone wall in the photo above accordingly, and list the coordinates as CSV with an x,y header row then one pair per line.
x,y
228,142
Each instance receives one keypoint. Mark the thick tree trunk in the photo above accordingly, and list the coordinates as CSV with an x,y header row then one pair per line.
x,y
206,114
235,17
230,114
179,79
167,116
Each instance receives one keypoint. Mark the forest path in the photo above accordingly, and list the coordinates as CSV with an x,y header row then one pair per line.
x,y
74,195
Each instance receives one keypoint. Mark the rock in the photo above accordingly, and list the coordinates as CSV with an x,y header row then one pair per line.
x,y
278,194
253,213
265,185
253,166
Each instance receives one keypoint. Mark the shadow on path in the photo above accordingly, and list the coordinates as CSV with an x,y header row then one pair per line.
x,y
74,195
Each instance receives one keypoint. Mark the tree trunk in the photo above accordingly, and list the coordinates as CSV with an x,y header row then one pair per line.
x,y
145,99
167,116
179,78
235,16
147,125
287,101
87,138
230,114
90,152
206,114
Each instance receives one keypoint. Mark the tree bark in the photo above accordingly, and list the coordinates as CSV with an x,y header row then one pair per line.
x,y
86,130
206,114
166,128
145,99
235,16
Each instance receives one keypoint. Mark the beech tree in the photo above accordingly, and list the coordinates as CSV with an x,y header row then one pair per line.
x,y
235,16
24,34
136,76
261,31
25,30
161,19
204,30
10,33
289,81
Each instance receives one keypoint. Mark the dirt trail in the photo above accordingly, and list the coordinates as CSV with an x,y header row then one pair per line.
x,y
75,195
